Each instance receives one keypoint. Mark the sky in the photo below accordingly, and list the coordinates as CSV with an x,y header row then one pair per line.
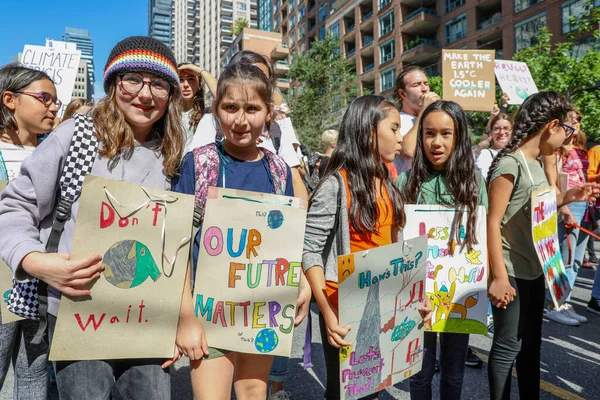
x,y
108,21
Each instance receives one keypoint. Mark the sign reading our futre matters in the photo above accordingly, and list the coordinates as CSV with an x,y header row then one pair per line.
x,y
468,78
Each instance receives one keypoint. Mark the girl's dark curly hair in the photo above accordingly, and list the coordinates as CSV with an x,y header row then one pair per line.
x,y
462,180
357,152
535,112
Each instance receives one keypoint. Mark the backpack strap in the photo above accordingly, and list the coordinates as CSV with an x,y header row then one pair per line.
x,y
278,169
78,164
206,164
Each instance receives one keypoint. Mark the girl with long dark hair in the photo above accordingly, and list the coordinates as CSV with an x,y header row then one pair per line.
x,y
444,173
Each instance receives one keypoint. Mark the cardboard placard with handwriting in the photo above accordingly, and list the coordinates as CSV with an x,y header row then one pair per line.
x,y
143,235
249,269
468,78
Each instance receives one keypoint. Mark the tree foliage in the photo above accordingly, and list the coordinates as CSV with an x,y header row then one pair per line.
x,y
556,67
326,85
239,25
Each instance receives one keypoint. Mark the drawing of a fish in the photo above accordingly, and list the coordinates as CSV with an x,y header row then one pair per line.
x,y
128,264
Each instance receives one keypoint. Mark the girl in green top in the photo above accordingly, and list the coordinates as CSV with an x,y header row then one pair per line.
x,y
444,172
516,278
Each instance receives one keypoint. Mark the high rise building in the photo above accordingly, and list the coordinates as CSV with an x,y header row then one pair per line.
x,y
85,44
184,29
159,20
381,37
265,15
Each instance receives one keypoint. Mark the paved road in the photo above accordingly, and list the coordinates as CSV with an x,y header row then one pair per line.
x,y
570,362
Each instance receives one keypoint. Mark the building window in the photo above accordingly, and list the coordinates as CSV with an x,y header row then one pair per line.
x,y
456,28
387,79
322,13
386,23
292,39
301,12
526,32
383,3
292,21
276,22
386,52
571,9
582,46
292,5
453,4
521,5
322,33
335,31
276,6
241,6
302,31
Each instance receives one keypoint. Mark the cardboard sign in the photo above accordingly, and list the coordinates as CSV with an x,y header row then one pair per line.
x,y
60,63
544,218
134,306
456,277
380,291
249,269
515,80
6,277
468,78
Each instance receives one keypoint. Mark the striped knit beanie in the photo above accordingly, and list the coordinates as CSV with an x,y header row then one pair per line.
x,y
141,54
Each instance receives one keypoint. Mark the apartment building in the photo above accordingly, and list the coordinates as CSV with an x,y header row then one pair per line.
x,y
266,43
159,20
381,37
85,44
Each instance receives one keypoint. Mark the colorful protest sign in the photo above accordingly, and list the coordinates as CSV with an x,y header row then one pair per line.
x,y
380,291
456,277
6,277
249,269
468,78
60,63
134,306
515,80
545,238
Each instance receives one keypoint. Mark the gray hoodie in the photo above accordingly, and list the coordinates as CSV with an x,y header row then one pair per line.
x,y
27,203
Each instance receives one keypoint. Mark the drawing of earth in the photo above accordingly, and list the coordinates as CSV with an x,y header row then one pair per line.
x,y
275,219
522,93
266,341
128,264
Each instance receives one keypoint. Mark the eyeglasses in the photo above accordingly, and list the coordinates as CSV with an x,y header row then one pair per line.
x,y
133,84
569,130
46,98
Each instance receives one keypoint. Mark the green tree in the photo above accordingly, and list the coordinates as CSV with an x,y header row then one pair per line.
x,y
326,84
238,25
556,67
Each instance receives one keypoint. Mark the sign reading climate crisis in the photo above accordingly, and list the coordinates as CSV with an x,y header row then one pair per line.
x,y
468,78
249,270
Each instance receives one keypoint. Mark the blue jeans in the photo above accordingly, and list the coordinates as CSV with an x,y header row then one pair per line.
x,y
453,353
29,361
279,369
578,241
142,379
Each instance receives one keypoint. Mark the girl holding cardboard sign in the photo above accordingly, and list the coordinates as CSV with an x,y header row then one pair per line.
x,y
28,107
140,140
444,172
517,284
355,207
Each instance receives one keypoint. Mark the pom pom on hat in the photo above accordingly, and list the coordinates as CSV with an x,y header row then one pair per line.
x,y
141,54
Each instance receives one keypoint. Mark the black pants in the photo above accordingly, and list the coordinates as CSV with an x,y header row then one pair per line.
x,y
332,366
518,336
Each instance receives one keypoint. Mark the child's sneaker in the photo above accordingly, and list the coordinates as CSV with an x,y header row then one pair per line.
x,y
594,305
561,316
281,395
472,360
571,311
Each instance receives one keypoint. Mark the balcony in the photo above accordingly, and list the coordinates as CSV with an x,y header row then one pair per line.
x,y
350,30
420,50
226,10
489,21
226,19
279,52
366,23
421,22
253,12
368,74
227,39
416,3
226,29
281,67
282,83
227,2
366,41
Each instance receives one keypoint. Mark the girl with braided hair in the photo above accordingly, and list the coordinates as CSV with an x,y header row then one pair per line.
x,y
516,286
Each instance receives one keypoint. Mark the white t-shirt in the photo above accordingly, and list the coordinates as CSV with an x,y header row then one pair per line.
x,y
187,129
407,121
206,133
13,157
484,161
